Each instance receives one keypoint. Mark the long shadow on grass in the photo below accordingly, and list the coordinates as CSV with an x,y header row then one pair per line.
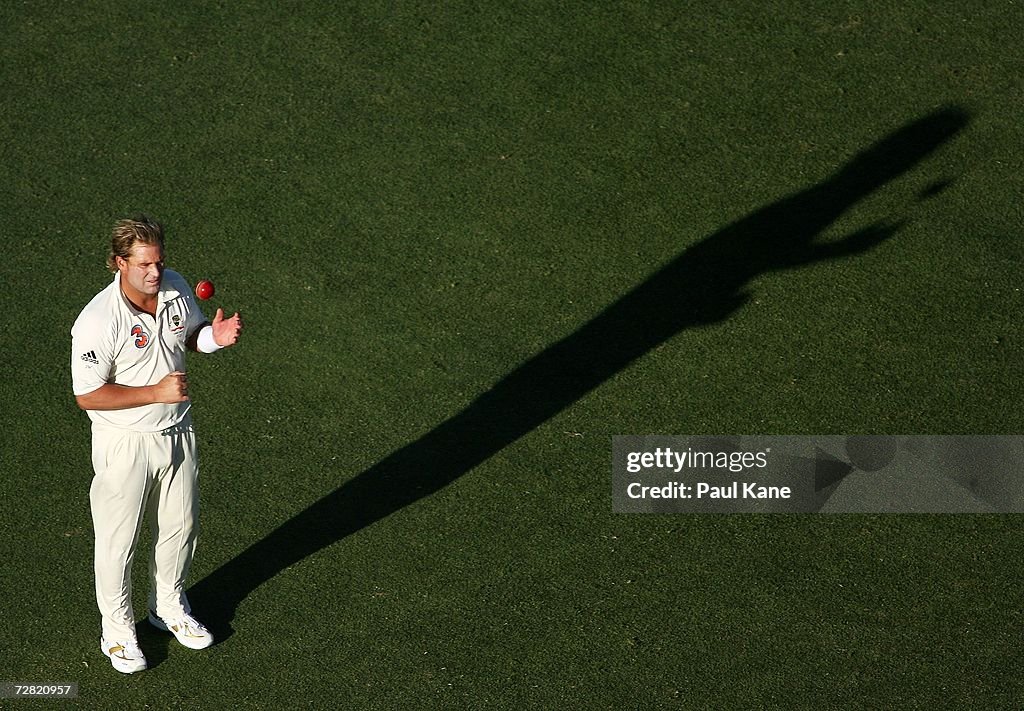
x,y
703,285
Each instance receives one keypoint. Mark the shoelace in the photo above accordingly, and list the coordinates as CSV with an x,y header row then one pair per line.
x,y
189,624
130,649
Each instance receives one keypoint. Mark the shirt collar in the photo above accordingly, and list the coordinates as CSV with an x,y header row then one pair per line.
x,y
167,290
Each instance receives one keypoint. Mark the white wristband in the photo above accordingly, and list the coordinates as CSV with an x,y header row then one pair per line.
x,y
205,342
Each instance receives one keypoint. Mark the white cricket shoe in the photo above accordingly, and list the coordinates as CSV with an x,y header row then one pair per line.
x,y
186,629
124,655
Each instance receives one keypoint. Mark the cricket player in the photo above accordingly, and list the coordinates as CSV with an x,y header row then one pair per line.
x,y
128,373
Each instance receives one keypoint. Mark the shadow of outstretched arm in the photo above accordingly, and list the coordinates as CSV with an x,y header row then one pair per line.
x,y
705,284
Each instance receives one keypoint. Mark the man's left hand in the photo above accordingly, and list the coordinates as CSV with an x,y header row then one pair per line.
x,y
226,330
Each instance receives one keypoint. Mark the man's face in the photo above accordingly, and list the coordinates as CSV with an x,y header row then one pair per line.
x,y
143,269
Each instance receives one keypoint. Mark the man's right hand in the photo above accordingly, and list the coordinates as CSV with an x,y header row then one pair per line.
x,y
172,388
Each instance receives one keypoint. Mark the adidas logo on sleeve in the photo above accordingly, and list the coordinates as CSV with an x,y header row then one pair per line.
x,y
90,357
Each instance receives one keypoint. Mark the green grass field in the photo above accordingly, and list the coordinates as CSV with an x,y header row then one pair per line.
x,y
472,243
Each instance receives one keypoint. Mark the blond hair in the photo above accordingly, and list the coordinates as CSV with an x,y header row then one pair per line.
x,y
140,229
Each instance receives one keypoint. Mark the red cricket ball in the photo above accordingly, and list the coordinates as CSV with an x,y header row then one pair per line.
x,y
204,289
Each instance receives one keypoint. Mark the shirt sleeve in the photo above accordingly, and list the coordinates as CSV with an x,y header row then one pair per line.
x,y
91,354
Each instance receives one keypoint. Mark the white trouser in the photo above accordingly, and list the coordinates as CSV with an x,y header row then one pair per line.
x,y
137,474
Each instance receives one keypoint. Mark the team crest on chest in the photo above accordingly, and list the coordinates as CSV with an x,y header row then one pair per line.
x,y
140,336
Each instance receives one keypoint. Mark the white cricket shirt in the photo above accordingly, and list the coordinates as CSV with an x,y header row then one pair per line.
x,y
113,342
